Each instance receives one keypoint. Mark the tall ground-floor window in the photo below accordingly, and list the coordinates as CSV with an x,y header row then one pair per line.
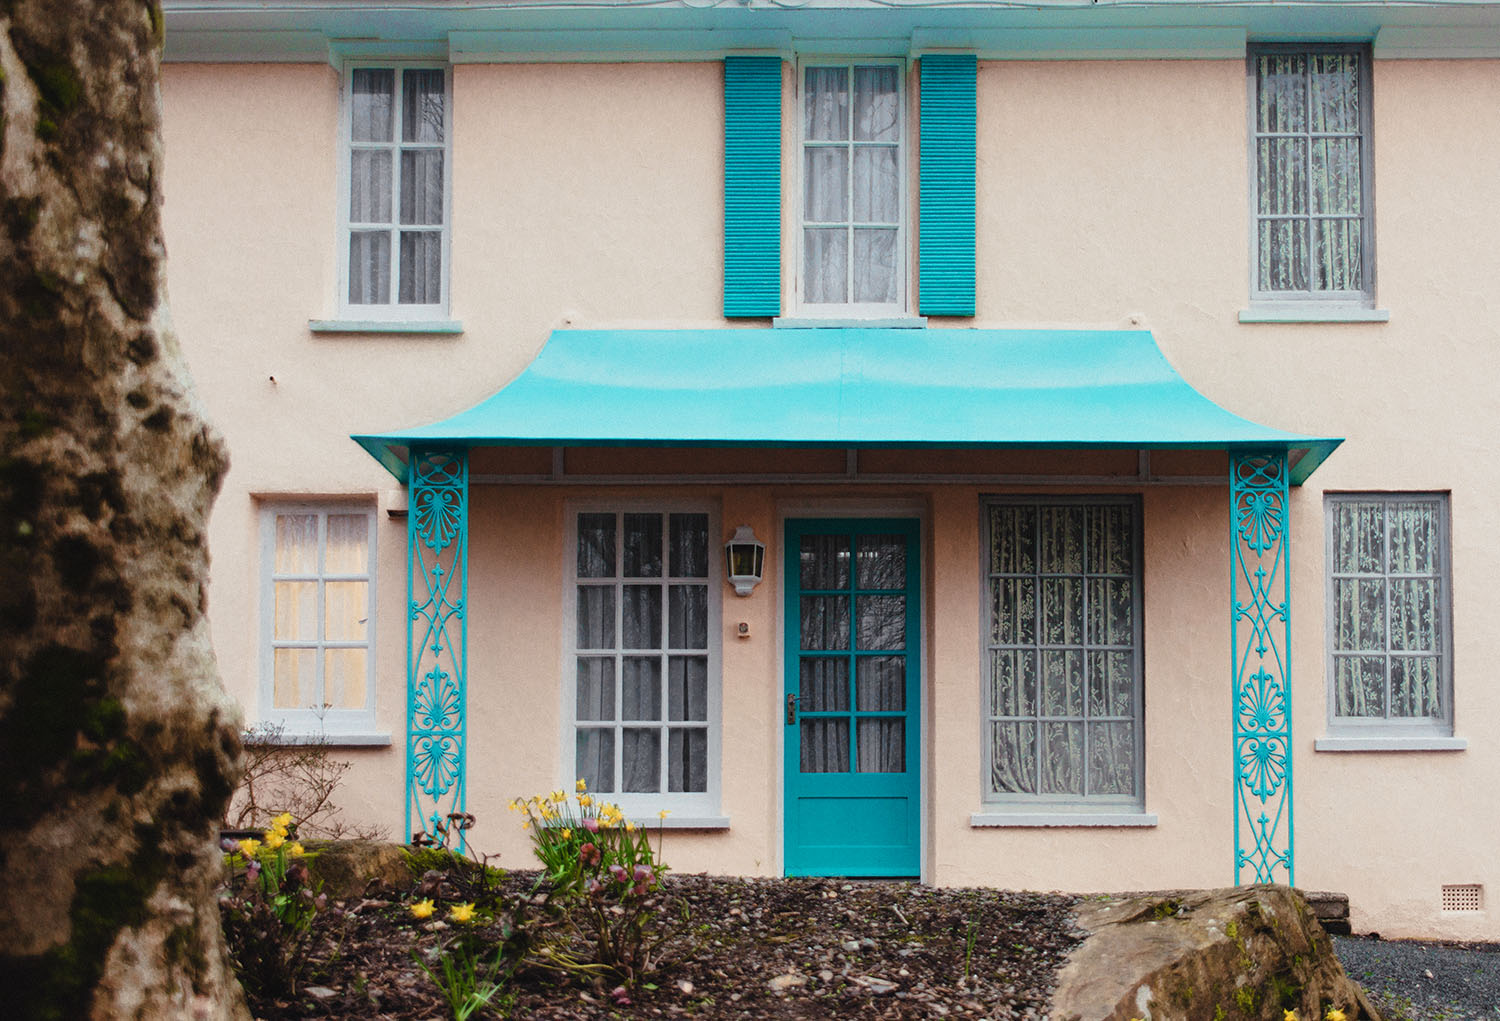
x,y
1062,652
643,668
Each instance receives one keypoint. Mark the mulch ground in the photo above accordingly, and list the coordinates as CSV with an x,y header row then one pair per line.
x,y
739,948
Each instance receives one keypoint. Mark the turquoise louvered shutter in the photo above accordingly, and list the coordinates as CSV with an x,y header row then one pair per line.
x,y
752,186
945,249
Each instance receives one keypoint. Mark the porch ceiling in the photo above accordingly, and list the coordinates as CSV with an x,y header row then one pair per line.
x,y
847,387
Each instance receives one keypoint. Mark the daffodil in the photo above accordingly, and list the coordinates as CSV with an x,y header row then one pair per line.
x,y
461,912
558,797
249,846
1333,1014
422,908
584,800
1288,1015
664,813
566,834
274,839
582,786
283,820
296,850
630,827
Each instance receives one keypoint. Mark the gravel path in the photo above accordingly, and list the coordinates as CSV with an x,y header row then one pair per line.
x,y
1415,980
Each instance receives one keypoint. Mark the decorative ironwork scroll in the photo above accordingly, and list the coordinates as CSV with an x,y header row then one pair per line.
x,y
1260,641
437,584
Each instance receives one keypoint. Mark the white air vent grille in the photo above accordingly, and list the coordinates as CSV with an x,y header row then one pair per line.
x,y
1463,897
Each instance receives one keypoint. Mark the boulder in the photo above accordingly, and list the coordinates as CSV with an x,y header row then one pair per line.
x,y
349,867
1242,954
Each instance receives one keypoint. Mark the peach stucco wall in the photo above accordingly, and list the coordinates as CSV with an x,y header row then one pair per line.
x,y
1110,194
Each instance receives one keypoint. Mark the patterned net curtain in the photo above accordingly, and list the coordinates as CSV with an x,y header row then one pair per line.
x,y
1308,172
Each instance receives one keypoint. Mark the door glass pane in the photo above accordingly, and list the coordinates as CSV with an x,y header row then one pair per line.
x,y
1062,758
1281,92
689,545
881,622
594,759
880,683
596,617
826,184
1013,613
641,618
370,186
369,267
825,103
373,102
825,265
1110,620
422,187
882,745
640,688
642,546
1062,611
824,561
1062,682
1110,539
1013,757
1111,683
687,759
824,684
1060,544
881,561
687,617
422,94
825,745
641,760
875,269
1012,540
596,545
596,688
877,186
877,109
825,622
687,688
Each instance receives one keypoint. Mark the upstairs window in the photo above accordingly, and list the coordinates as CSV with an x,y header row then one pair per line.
x,y
853,235
1310,174
396,214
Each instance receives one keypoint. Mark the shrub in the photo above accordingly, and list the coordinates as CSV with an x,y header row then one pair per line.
x,y
267,907
299,778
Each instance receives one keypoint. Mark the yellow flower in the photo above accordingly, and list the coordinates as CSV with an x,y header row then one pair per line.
x,y
283,820
630,827
584,799
664,813
525,824
558,797
548,812
1333,1014
296,850
567,834
249,846
274,839
514,804
422,909
1288,1015
582,786
461,912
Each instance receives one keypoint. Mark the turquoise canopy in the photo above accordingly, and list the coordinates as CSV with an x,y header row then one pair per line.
x,y
847,387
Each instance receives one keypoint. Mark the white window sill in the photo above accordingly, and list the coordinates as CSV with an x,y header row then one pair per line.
x,y
1391,744
682,822
353,739
432,326
1314,312
849,322
1038,820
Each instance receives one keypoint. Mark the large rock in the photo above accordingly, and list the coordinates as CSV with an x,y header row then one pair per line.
x,y
349,867
1204,955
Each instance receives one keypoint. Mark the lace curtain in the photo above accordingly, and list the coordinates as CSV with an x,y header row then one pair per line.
x,y
851,185
1308,172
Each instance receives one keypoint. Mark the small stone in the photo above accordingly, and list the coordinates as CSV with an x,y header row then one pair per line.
x,y
903,973
825,975
1427,972
781,983
321,992
435,926
850,945
877,986
734,997
867,943
685,986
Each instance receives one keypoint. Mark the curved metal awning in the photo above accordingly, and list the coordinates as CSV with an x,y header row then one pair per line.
x,y
848,387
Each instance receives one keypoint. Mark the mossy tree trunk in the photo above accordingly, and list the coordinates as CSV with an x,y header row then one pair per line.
x,y
118,748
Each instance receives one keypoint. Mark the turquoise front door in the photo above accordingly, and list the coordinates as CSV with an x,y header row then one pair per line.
x,y
850,697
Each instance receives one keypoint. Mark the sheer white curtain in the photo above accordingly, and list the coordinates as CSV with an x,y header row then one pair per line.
x,y
1308,172
851,185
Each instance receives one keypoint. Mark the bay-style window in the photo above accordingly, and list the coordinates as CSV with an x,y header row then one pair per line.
x,y
1312,228
1062,653
317,618
643,672
1389,648
853,243
397,125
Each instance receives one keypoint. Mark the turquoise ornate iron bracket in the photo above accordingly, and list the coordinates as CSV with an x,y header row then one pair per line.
x,y
437,588
1260,640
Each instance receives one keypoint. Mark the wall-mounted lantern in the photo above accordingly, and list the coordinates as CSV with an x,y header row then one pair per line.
x,y
745,559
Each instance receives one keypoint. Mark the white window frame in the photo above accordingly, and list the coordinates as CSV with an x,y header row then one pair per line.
x,y
684,807
1308,302
1390,726
314,721
394,310
856,310
1121,809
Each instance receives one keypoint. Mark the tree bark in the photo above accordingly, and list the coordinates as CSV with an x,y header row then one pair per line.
x,y
118,747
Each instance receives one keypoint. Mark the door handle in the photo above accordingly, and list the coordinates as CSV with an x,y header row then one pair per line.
x,y
791,709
